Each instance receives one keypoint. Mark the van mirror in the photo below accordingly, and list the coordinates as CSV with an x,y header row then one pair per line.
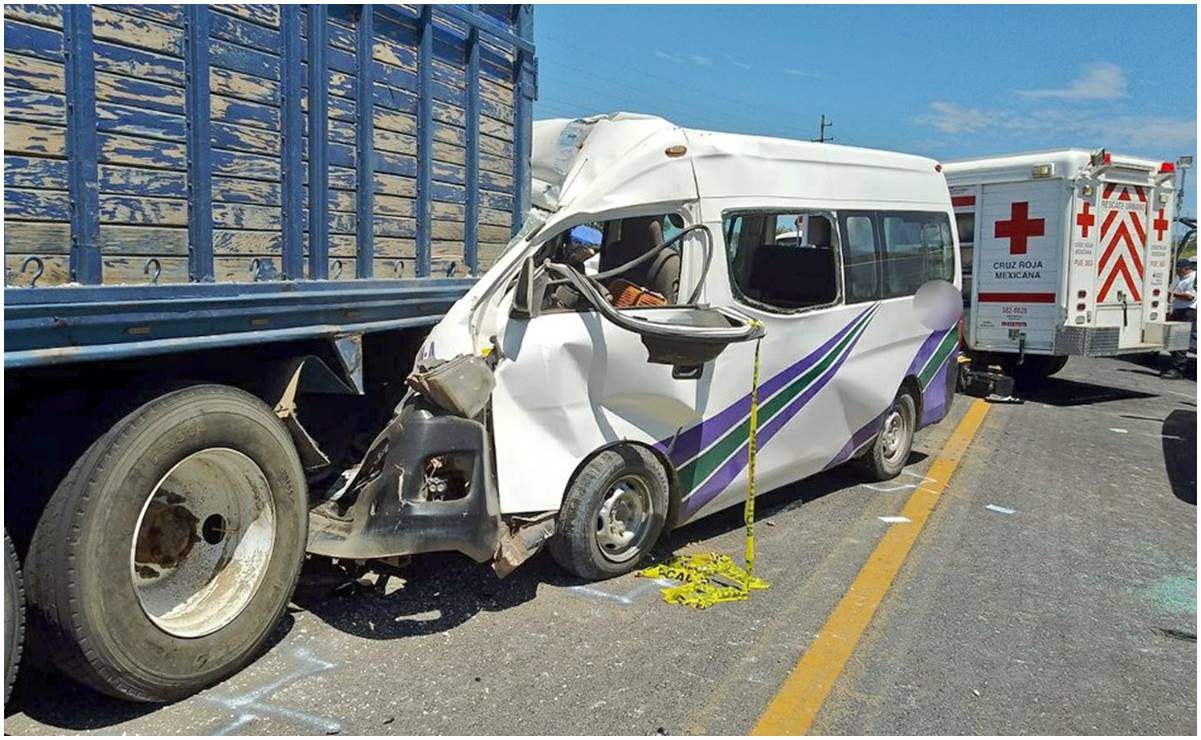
x,y
531,288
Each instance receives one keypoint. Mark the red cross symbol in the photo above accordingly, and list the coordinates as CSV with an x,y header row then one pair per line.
x,y
1019,227
1084,219
1160,225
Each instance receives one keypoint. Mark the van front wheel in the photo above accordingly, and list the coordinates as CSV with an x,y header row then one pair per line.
x,y
612,515
886,455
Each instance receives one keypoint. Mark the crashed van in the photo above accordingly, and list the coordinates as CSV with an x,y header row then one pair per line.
x,y
593,397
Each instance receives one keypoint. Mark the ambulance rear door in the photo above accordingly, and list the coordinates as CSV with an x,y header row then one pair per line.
x,y
1121,258
1019,262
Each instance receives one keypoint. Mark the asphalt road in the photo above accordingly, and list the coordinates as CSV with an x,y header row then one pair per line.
x,y
1069,607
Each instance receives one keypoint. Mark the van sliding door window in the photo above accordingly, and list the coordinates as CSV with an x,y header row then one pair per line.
x,y
782,261
917,248
860,258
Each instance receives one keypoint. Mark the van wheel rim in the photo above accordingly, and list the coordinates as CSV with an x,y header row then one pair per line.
x,y
895,433
623,520
203,542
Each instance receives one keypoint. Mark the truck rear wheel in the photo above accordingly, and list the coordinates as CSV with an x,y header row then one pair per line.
x,y
1034,368
14,616
170,550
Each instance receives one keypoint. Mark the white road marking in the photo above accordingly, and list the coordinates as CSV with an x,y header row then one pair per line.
x,y
895,519
626,599
1000,509
1119,431
251,705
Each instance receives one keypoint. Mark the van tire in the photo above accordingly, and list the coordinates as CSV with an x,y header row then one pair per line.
x,y
89,618
887,454
618,476
14,616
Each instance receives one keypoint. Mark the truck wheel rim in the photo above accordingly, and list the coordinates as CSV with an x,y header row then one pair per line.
x,y
203,541
623,520
896,432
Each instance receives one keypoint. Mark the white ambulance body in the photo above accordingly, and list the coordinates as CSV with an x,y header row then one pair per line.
x,y
1069,253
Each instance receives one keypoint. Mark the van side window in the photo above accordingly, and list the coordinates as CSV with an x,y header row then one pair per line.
x,y
859,258
782,260
917,247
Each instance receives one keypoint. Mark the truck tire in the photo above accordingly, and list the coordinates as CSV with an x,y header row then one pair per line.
x,y
170,550
887,454
14,616
612,515
1034,368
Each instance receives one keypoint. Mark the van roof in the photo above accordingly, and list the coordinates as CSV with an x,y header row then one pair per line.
x,y
620,156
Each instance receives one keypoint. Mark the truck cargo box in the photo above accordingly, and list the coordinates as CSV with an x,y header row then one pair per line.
x,y
147,145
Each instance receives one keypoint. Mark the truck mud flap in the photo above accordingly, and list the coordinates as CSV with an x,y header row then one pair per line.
x,y
425,485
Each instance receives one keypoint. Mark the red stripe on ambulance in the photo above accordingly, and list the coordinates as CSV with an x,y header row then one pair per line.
x,y
1016,297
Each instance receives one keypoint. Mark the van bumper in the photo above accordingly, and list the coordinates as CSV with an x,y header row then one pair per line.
x,y
389,508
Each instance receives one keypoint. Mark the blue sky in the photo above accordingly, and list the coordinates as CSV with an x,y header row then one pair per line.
x,y
944,81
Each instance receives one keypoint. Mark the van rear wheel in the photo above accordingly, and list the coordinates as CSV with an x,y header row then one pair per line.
x,y
170,550
612,515
887,454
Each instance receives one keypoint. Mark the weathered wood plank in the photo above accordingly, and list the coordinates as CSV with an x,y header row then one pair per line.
x,y
242,241
21,137
389,205
254,192
245,216
37,237
149,241
395,185
498,129
497,92
393,248
245,139
227,28
35,172
232,110
395,164
492,163
48,15
448,211
109,25
35,205
139,64
120,119
390,141
36,41
393,226
56,270
499,201
496,217
401,123
449,173
35,107
136,93
447,193
449,153
132,209
243,86
120,270
172,15
262,14
139,152
138,181
252,166
242,59
33,74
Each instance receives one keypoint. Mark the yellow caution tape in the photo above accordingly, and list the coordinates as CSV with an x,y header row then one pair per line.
x,y
712,578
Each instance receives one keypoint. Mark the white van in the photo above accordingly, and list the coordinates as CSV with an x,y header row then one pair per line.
x,y
1066,252
593,397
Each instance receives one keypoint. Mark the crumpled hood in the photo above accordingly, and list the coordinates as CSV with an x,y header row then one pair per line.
x,y
608,161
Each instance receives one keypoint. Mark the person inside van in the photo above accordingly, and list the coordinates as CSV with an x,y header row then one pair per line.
x,y
1184,308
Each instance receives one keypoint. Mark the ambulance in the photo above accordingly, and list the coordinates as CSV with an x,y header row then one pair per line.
x,y
1065,253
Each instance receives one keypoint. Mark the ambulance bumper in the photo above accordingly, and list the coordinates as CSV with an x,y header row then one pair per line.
x,y
1087,341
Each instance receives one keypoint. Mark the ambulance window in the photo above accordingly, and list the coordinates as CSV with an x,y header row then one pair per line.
x,y
917,248
782,260
966,223
859,259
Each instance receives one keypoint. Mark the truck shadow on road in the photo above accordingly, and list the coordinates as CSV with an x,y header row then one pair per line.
x,y
59,702
1180,453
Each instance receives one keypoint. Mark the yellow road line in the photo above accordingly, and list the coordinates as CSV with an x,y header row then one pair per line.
x,y
802,694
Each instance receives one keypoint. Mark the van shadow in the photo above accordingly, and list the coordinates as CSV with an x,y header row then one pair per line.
x,y
1180,453
1063,392
55,700
781,500
445,590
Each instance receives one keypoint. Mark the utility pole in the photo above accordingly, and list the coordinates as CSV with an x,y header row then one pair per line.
x,y
821,138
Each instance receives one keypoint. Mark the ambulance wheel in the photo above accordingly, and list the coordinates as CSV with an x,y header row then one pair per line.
x,y
14,616
886,456
169,552
613,514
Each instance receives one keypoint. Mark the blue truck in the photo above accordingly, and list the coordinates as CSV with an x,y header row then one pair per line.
x,y
226,230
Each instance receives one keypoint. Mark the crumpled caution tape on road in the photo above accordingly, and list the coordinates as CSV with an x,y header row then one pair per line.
x,y
712,578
